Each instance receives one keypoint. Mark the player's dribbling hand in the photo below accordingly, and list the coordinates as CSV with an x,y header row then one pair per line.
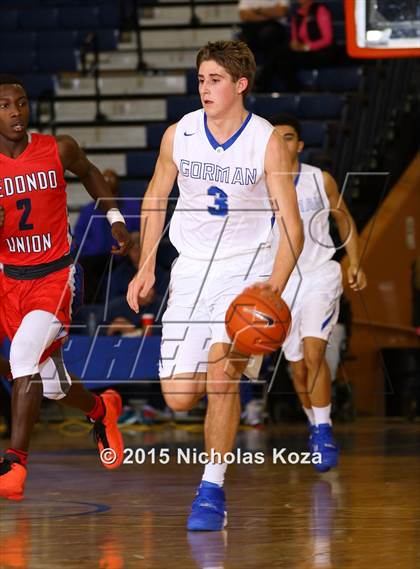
x,y
1,216
120,234
357,278
138,288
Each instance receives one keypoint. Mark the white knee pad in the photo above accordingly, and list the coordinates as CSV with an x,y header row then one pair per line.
x,y
23,357
37,331
56,381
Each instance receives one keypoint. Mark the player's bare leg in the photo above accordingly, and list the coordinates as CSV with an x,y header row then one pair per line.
x,y
27,394
223,409
221,424
319,377
77,397
5,407
103,410
25,352
183,391
26,402
319,390
300,383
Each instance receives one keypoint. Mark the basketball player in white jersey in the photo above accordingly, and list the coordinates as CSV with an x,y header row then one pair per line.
x,y
314,289
231,169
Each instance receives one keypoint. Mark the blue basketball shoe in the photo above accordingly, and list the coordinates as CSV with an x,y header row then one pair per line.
x,y
312,429
322,442
208,511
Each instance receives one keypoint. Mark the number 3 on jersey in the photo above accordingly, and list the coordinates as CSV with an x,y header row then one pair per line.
x,y
220,201
26,206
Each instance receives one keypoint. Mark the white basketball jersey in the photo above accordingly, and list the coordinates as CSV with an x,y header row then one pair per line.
x,y
314,211
223,208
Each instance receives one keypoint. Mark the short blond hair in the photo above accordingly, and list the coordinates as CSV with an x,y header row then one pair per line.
x,y
234,56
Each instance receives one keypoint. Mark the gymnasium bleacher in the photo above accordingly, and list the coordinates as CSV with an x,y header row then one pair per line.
x,y
45,43
115,83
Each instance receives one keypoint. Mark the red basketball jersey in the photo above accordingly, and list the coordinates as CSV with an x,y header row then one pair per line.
x,y
33,194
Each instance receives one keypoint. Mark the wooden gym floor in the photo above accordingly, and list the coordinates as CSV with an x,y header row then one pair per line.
x,y
77,515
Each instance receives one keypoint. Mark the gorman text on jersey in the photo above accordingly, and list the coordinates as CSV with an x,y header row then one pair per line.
x,y
215,173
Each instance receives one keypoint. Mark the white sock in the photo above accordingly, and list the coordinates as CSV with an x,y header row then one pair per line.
x,y
215,473
310,414
322,415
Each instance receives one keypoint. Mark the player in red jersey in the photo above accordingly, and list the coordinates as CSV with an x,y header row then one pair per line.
x,y
68,390
36,285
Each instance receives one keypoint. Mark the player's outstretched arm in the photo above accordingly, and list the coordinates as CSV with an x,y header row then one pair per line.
x,y
348,232
279,178
153,214
75,160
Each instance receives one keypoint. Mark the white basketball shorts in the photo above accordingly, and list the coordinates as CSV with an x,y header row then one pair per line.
x,y
314,303
200,293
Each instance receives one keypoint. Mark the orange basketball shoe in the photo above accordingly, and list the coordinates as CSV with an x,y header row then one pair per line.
x,y
12,477
106,432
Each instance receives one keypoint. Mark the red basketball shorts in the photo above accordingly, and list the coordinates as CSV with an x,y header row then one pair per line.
x,y
53,293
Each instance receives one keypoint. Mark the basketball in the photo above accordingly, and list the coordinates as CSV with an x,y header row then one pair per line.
x,y
257,321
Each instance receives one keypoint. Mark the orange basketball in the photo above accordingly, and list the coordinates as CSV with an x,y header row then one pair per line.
x,y
258,321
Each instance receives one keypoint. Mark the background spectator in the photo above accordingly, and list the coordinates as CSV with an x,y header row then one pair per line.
x,y
264,25
312,29
93,238
311,45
